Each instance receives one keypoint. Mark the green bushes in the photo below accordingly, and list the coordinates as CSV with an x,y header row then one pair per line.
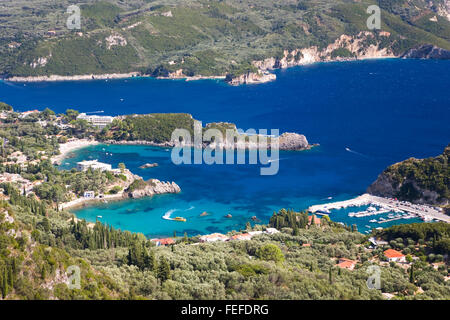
x,y
270,252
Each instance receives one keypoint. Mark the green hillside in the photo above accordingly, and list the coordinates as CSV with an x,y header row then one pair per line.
x,y
202,37
417,180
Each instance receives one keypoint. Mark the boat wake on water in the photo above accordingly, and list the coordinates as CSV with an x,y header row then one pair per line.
x,y
167,215
352,151
273,160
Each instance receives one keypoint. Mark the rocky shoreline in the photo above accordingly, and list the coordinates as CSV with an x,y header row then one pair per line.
x,y
54,78
288,141
152,187
297,57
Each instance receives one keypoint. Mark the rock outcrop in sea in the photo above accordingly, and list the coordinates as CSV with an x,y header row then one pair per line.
x,y
251,78
293,141
152,187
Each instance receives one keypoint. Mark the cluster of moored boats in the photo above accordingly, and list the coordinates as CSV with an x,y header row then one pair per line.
x,y
394,214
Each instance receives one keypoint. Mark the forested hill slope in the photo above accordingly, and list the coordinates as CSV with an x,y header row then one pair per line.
x,y
201,37
416,180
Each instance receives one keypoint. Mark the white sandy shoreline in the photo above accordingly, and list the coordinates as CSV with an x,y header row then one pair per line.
x,y
68,147
112,76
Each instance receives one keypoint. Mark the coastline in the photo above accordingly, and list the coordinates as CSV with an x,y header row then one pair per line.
x,y
84,77
66,148
81,202
137,75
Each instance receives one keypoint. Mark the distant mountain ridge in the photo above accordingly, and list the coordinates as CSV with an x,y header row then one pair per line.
x,y
205,38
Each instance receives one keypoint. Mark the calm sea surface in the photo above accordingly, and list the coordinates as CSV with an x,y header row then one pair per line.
x,y
365,115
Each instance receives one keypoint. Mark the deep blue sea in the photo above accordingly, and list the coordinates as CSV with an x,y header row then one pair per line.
x,y
366,115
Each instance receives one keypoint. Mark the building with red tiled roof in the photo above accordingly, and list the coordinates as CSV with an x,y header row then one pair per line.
x,y
394,255
346,263
243,236
213,237
316,220
164,241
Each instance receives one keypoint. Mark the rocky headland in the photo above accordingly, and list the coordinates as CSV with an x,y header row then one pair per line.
x,y
427,51
141,188
422,181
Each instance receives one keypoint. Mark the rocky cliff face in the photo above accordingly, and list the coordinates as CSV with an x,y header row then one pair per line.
x,y
357,46
154,186
365,45
286,141
251,78
427,51
386,186
293,141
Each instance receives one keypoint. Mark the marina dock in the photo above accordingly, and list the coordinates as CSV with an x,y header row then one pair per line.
x,y
425,212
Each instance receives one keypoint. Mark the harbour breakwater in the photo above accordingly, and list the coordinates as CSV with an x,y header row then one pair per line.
x,y
427,213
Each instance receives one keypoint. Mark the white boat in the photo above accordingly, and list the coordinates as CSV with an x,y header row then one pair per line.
x,y
373,220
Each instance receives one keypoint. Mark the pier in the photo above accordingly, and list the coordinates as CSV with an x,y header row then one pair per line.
x,y
423,211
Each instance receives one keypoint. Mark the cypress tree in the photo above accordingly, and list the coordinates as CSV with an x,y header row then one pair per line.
x,y
163,270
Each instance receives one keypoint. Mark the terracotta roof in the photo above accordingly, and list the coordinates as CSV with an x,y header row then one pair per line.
x,y
164,241
306,245
213,235
241,236
391,253
346,263
316,220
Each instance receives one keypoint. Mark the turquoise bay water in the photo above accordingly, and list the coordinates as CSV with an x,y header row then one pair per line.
x,y
382,111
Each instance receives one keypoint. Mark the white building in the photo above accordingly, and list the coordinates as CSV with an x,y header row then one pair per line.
x,y
394,255
98,121
271,231
89,194
213,237
94,164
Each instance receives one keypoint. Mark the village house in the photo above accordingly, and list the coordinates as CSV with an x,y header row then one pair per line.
x,y
94,164
394,255
213,237
271,231
376,242
316,220
163,242
27,113
89,194
243,236
345,263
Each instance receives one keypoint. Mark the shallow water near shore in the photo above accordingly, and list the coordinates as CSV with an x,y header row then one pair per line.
x,y
366,115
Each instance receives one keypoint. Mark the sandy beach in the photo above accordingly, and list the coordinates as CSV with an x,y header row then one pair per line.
x,y
79,202
68,147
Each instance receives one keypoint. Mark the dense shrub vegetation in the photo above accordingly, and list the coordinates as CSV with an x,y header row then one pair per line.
x,y
201,37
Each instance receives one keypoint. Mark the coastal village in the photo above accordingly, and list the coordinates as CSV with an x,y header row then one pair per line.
x,y
20,161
